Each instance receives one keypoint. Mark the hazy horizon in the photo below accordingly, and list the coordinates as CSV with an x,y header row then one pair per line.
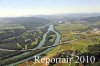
x,y
17,8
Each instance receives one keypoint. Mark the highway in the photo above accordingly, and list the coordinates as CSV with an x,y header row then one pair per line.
x,y
56,43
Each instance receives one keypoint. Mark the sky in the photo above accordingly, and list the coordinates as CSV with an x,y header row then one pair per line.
x,y
47,7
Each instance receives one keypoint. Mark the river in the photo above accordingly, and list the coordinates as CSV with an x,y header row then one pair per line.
x,y
57,40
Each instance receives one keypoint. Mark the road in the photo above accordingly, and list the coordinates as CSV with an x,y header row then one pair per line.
x,y
39,46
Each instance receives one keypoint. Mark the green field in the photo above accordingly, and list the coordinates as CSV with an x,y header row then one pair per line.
x,y
78,42
11,26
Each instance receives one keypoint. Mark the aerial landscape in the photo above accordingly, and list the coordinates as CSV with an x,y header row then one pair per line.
x,y
49,33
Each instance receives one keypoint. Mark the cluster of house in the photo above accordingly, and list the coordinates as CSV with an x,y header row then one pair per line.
x,y
95,30
64,22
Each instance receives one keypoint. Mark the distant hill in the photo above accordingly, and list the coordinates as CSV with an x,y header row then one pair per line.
x,y
43,19
69,15
91,19
72,17
26,21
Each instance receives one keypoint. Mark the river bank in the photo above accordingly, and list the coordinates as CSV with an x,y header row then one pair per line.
x,y
39,46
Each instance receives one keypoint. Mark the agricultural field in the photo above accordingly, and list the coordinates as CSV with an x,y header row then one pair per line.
x,y
49,32
78,37
11,26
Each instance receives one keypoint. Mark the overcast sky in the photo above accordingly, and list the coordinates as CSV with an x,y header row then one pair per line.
x,y
47,7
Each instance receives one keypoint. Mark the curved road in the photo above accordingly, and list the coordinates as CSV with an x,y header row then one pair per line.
x,y
39,46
